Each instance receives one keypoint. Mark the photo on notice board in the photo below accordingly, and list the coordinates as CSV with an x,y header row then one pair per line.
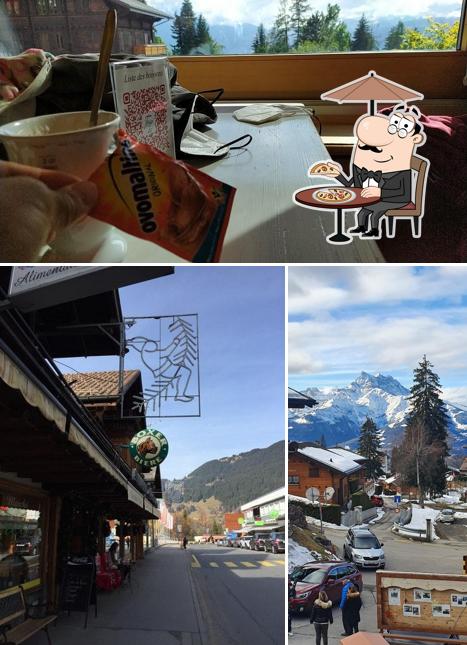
x,y
442,611
420,595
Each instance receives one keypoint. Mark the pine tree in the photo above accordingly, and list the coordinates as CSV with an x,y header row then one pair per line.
x,y
202,31
279,37
184,29
426,439
322,441
363,39
395,36
298,17
260,43
369,446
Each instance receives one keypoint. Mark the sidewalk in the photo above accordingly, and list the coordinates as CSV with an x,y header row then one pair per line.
x,y
159,607
304,632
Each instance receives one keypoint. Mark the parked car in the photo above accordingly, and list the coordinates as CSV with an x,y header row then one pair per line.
x,y
313,577
275,543
245,541
447,516
363,547
27,544
221,542
376,500
260,541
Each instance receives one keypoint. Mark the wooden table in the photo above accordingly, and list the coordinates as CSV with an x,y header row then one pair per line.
x,y
265,224
307,198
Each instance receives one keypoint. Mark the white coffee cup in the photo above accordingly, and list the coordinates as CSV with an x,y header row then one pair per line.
x,y
67,143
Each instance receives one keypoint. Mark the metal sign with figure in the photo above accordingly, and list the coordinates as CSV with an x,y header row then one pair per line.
x,y
165,349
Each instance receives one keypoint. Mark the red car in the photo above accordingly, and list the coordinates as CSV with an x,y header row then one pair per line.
x,y
313,577
376,500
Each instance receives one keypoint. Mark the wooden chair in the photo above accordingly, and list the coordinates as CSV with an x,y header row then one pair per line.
x,y
13,608
413,210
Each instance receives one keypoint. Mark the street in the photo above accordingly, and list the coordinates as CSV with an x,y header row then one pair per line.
x,y
180,597
442,556
241,594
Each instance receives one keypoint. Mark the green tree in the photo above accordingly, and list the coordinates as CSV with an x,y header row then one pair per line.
x,y
184,29
324,31
280,32
425,445
260,43
363,39
436,36
298,16
395,36
369,446
202,30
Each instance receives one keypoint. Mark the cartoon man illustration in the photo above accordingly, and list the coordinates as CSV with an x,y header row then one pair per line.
x,y
381,164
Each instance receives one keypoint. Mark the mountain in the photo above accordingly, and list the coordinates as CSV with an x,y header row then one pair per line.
x,y
238,38
341,411
232,480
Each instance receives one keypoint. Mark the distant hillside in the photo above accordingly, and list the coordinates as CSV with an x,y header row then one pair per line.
x,y
232,480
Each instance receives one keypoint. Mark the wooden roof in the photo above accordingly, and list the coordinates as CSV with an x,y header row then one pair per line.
x,y
100,385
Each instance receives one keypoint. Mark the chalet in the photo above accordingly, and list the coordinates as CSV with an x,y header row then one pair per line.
x,y
323,469
75,26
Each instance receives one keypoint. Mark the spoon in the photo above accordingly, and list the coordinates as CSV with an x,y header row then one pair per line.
x,y
108,36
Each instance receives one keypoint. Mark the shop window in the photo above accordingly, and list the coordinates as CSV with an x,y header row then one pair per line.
x,y
294,480
20,542
313,471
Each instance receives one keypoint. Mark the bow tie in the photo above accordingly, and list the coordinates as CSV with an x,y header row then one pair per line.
x,y
369,174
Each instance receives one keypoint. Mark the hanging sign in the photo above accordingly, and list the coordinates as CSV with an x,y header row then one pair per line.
x,y
149,447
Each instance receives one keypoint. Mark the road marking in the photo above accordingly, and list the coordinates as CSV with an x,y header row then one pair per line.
x,y
266,563
213,564
280,561
248,564
231,565
195,562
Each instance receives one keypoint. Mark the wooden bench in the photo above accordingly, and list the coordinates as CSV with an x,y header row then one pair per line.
x,y
13,607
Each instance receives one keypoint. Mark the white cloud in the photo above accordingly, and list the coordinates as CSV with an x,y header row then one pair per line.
x,y
455,395
315,289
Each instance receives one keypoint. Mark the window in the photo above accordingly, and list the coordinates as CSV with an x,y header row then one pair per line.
x,y
13,7
20,541
50,7
297,27
294,480
313,471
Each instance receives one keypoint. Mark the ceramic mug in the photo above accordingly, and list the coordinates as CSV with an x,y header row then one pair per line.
x,y
66,142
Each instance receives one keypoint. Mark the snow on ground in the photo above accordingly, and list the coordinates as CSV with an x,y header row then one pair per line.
x,y
460,516
379,517
417,524
299,554
326,525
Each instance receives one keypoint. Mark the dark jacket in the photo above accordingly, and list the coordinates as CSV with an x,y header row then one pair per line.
x,y
395,186
321,612
352,608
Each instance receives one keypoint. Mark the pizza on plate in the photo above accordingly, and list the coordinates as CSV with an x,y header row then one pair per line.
x,y
333,195
322,168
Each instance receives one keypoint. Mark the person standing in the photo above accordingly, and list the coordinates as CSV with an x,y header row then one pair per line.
x,y
343,605
185,541
292,594
352,606
321,616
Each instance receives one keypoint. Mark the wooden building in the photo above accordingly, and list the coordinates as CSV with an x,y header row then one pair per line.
x,y
75,26
463,468
311,467
61,476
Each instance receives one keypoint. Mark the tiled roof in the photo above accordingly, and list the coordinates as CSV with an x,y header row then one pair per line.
x,y
100,384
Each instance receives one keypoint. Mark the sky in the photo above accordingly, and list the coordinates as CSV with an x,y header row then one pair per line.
x,y
378,319
242,370
256,11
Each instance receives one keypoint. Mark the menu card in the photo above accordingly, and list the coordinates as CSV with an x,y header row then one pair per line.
x,y
142,99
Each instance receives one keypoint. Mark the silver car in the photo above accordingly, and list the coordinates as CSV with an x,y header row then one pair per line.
x,y
447,516
362,547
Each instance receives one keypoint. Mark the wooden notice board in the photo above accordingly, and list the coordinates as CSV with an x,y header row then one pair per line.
x,y
422,602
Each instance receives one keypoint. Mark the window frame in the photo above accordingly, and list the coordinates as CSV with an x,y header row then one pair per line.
x,y
300,76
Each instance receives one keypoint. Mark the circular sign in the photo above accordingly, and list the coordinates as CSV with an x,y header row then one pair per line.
x,y
149,447
241,521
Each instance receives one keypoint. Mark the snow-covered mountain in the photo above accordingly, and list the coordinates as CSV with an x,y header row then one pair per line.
x,y
341,411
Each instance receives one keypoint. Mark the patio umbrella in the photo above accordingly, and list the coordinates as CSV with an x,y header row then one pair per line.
x,y
371,89
364,638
